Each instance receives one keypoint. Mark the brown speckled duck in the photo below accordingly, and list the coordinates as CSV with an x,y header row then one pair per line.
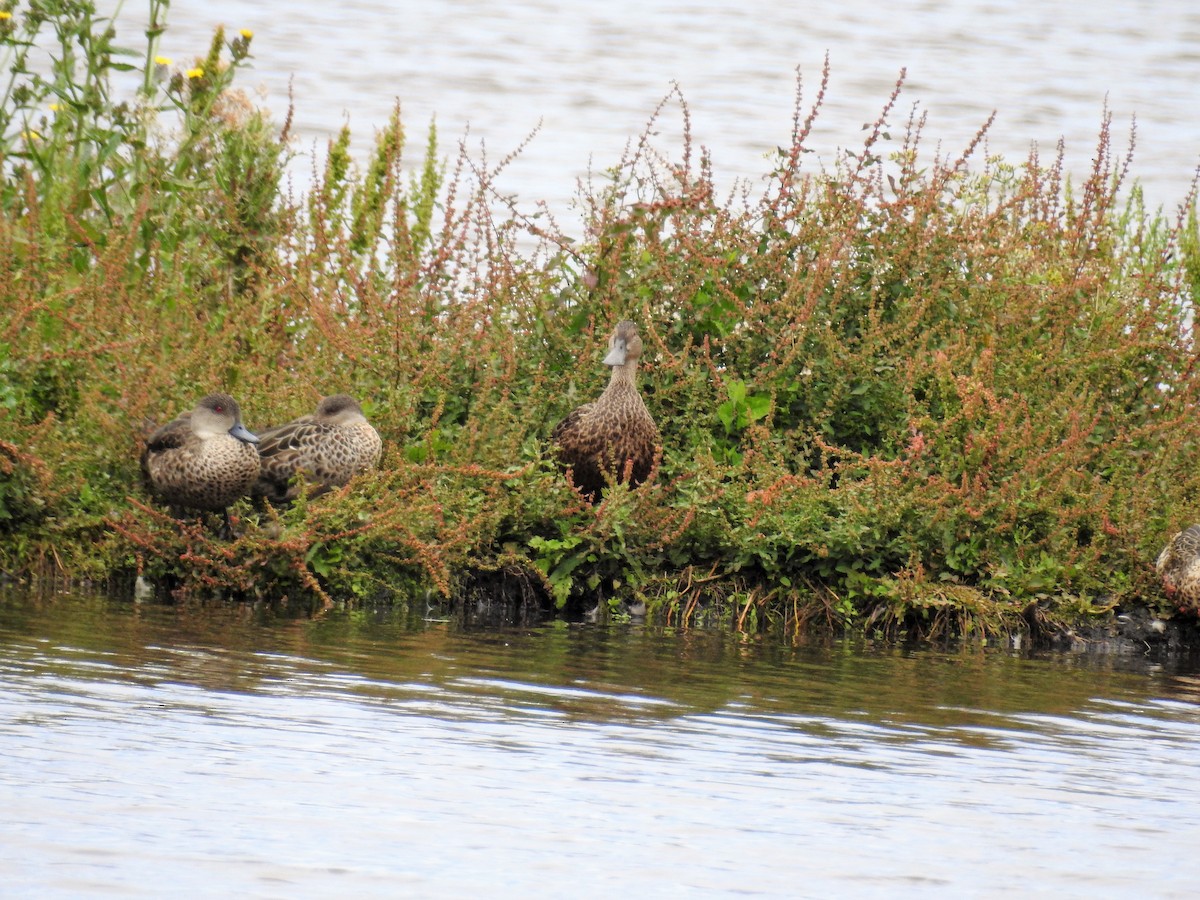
x,y
330,447
203,460
607,434
1179,567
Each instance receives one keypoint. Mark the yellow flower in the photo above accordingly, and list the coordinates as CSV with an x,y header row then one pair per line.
x,y
195,73
246,33
30,135
54,107
163,60
5,15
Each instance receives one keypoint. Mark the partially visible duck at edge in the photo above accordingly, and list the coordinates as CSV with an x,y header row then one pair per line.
x,y
614,431
1178,565
204,460
329,447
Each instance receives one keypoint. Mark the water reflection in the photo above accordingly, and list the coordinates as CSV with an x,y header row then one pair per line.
x,y
635,670
370,752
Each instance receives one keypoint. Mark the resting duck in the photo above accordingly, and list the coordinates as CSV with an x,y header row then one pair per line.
x,y
203,460
604,436
1179,567
330,447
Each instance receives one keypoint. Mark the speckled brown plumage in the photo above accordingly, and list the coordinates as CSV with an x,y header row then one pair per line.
x,y
205,459
1179,567
330,447
607,434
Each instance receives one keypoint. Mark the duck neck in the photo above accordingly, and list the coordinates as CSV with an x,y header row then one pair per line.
x,y
623,376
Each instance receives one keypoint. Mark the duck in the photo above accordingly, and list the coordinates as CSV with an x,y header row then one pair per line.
x,y
613,432
1178,565
204,460
330,447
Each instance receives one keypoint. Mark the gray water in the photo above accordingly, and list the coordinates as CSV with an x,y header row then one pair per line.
x,y
219,750
216,751
591,75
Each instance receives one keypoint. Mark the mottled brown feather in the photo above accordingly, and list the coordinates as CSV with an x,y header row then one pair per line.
x,y
329,447
614,431
1179,566
200,461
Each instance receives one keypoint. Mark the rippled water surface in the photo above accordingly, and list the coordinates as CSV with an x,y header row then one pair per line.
x,y
226,751
242,752
592,73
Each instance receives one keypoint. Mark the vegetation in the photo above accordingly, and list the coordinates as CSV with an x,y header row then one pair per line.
x,y
908,395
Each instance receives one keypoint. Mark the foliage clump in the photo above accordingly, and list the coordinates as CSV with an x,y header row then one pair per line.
x,y
906,393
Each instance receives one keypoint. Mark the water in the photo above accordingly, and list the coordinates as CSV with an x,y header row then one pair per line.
x,y
231,751
243,752
591,75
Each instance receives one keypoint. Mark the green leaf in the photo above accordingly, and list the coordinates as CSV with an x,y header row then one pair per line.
x,y
757,406
725,412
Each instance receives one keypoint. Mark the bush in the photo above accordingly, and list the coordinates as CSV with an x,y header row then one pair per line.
x,y
902,394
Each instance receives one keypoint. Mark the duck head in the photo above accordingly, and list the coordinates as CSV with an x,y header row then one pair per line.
x,y
625,345
219,414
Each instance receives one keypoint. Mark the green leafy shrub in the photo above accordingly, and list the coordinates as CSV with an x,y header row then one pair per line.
x,y
900,394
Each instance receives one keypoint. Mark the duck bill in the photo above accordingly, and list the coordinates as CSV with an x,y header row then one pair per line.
x,y
239,431
616,356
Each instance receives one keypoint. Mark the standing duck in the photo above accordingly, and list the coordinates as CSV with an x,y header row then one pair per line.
x,y
203,460
1178,565
613,431
330,447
